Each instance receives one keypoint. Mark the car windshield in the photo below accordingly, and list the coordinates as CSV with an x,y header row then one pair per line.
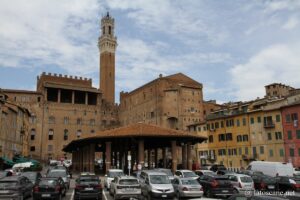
x,y
128,182
268,179
2,174
189,174
57,174
159,179
48,182
208,173
166,171
29,175
89,180
5,184
246,179
114,174
189,182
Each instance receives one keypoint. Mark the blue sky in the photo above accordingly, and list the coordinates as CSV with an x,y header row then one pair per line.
x,y
233,47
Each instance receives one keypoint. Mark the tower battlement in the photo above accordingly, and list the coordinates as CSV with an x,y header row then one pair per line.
x,y
77,81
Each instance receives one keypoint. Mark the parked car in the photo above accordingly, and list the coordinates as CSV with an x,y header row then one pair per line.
x,y
216,185
166,171
242,183
256,197
125,187
272,168
15,187
186,174
55,173
204,172
285,183
112,173
225,172
53,188
251,172
32,176
187,187
88,186
217,167
264,182
156,185
4,174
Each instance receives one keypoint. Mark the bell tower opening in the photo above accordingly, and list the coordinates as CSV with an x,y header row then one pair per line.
x,y
107,44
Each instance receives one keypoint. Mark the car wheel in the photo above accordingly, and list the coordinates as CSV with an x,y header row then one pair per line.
x,y
209,194
178,195
235,191
115,197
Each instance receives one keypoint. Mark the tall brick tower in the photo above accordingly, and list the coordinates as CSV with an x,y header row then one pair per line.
x,y
107,44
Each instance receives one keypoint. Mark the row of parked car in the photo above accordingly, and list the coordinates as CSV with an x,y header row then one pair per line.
x,y
162,184
19,186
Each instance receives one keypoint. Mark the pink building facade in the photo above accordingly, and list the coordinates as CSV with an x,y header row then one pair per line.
x,y
291,128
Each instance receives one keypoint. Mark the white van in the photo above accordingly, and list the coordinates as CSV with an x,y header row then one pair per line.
x,y
272,168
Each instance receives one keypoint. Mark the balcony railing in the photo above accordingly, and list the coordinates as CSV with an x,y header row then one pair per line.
x,y
250,157
269,124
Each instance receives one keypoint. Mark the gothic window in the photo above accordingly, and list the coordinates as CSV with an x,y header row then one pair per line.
x,y
32,134
78,133
50,134
103,30
109,30
66,133
51,120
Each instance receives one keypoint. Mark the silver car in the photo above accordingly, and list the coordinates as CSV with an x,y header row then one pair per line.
x,y
187,187
112,173
156,185
125,187
55,173
242,183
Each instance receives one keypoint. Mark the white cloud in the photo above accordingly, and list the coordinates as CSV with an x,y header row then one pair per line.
x,y
40,32
291,23
277,63
180,19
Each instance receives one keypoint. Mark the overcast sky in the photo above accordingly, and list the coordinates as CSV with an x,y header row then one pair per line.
x,y
233,47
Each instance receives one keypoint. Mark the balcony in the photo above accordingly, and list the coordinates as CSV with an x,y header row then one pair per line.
x,y
211,158
269,124
250,157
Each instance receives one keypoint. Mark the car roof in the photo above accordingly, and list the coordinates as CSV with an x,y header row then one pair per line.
x,y
203,170
153,172
12,178
187,178
184,170
115,170
49,178
127,177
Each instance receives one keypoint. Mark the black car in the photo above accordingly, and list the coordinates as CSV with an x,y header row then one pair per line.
x,y
88,186
216,185
216,167
285,183
49,188
4,174
32,176
264,182
15,187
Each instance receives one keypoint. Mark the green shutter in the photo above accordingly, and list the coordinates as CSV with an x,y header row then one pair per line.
x,y
258,119
277,118
290,135
298,134
292,152
281,152
271,153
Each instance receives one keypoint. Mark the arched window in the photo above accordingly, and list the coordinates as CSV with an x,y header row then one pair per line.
x,y
51,120
109,30
78,133
50,134
66,134
32,134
